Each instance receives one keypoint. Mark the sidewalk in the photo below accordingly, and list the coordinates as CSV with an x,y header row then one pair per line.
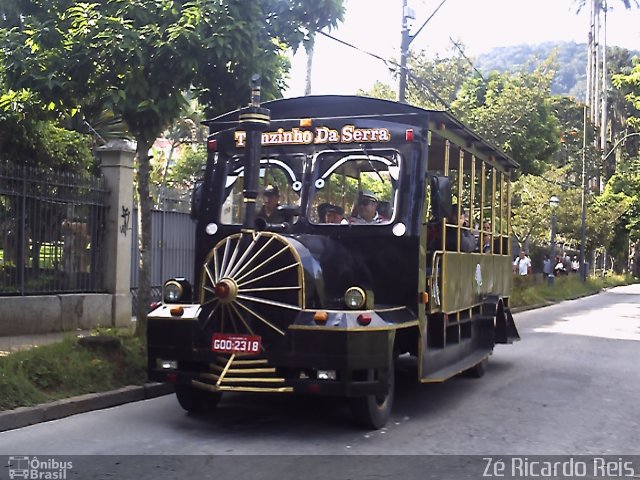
x,y
14,343
24,342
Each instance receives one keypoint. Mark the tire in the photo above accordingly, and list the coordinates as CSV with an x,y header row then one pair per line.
x,y
194,400
478,370
373,411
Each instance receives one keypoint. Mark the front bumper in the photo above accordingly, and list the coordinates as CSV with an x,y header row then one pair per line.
x,y
338,362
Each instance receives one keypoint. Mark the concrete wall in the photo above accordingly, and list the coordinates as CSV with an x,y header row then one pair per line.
x,y
54,313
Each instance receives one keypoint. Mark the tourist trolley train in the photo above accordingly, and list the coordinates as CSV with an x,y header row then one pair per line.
x,y
389,239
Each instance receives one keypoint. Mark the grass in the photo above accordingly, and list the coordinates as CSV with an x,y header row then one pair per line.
x,y
65,369
50,256
525,293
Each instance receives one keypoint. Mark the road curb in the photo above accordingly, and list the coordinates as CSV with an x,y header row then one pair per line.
x,y
548,303
24,416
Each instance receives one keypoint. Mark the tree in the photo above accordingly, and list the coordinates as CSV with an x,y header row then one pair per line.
x,y
630,82
530,215
380,90
435,83
608,218
596,97
43,144
185,131
513,110
529,210
624,186
309,46
143,56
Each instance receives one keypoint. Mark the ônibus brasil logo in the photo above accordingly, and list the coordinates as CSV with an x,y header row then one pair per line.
x,y
38,469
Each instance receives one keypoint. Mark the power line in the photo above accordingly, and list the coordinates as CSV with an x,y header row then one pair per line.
x,y
411,37
459,48
378,57
390,63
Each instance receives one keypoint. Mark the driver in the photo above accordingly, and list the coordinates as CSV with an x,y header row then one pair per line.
x,y
367,210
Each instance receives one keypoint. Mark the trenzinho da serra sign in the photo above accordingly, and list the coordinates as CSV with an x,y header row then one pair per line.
x,y
297,136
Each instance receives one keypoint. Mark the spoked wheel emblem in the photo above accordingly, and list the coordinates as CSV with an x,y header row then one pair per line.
x,y
252,283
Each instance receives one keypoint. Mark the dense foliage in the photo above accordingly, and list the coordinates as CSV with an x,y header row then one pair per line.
x,y
515,112
44,144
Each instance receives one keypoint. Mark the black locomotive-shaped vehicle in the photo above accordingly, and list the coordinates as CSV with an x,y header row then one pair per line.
x,y
331,239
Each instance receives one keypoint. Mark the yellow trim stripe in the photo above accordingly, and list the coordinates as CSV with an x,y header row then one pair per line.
x,y
413,323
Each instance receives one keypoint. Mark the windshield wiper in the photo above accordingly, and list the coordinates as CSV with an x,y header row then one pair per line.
x,y
371,163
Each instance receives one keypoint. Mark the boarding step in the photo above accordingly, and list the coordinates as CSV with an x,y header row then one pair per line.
x,y
458,367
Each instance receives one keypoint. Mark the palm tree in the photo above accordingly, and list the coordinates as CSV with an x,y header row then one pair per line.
x,y
308,47
596,92
596,82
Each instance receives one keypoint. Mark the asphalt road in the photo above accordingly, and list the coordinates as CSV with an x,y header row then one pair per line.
x,y
571,386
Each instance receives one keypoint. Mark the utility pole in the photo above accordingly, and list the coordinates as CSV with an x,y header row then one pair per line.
x,y
603,121
583,219
407,14
404,52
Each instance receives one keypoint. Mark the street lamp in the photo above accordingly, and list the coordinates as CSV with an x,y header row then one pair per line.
x,y
553,203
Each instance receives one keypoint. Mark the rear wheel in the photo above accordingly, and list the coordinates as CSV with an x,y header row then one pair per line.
x,y
194,400
373,411
478,370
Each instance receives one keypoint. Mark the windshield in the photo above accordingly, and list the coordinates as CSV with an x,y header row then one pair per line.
x,y
279,184
357,188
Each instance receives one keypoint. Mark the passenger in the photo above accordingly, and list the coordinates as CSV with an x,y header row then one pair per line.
x,y
335,214
271,202
486,237
367,210
467,240
329,213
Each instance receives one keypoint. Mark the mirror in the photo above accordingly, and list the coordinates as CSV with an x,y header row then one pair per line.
x,y
196,200
440,197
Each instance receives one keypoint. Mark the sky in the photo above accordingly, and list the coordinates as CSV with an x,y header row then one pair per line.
x,y
374,26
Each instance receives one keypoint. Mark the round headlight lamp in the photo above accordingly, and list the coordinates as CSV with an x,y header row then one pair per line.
x,y
172,291
354,298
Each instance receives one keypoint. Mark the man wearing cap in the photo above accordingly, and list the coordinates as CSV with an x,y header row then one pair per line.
x,y
270,204
367,210
329,213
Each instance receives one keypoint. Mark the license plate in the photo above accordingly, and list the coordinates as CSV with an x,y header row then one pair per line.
x,y
232,343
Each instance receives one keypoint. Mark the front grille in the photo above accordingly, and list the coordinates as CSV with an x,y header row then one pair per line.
x,y
241,374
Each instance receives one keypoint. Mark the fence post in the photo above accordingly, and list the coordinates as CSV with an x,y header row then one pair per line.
x,y
116,162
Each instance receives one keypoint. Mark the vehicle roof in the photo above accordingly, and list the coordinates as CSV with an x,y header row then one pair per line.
x,y
351,107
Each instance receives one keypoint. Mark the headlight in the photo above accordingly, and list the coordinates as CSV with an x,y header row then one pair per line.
x,y
354,298
177,290
172,291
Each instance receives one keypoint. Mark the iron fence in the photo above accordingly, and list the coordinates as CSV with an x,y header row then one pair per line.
x,y
51,229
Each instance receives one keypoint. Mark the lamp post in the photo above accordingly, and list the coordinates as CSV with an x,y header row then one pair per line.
x,y
553,203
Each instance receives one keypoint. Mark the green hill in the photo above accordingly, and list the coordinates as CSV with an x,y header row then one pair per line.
x,y
571,60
